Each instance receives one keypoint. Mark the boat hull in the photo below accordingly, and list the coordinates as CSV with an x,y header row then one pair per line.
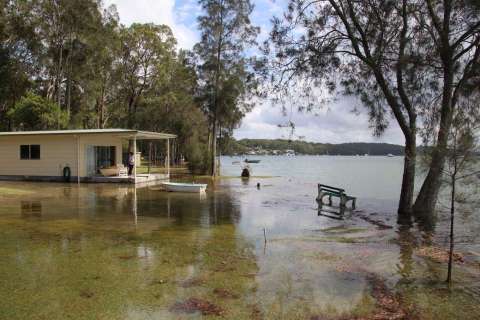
x,y
185,187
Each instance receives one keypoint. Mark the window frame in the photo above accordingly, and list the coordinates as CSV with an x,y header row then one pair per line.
x,y
39,152
29,154
24,152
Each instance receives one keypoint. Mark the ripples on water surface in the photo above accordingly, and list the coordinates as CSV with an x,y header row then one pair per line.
x,y
113,252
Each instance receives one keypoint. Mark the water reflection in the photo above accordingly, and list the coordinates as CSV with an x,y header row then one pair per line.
x,y
31,209
406,242
120,251
337,213
426,223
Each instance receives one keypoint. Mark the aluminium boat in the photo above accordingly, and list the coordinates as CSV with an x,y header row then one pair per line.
x,y
185,187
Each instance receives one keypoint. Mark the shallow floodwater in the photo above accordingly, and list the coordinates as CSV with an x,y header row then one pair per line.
x,y
240,252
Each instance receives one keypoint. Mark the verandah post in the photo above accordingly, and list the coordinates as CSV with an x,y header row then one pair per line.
x,y
135,159
168,158
78,159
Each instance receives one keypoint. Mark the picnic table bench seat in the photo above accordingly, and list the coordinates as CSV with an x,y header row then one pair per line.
x,y
329,191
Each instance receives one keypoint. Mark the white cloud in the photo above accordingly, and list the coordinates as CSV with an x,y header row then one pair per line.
x,y
160,12
333,124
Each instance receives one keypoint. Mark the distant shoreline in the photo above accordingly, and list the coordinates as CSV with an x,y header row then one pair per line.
x,y
316,155
252,147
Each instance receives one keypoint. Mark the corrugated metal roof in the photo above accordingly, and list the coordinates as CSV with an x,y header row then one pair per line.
x,y
138,134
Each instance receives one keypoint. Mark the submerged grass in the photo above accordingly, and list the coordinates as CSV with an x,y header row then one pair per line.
x,y
73,268
92,257
4,191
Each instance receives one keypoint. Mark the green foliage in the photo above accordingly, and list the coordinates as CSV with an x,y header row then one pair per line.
x,y
89,71
198,158
33,112
147,52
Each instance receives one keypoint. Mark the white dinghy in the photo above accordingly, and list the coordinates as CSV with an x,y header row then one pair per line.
x,y
185,187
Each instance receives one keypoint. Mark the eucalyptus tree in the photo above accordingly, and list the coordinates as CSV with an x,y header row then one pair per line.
x,y
387,53
169,105
145,50
100,75
18,54
225,75
50,44
63,28
4,65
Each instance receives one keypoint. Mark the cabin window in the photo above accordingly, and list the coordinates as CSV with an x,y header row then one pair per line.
x,y
30,152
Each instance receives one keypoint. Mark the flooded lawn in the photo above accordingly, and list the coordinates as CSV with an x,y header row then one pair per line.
x,y
113,252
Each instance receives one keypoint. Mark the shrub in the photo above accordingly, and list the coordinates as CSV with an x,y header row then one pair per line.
x,y
198,157
34,112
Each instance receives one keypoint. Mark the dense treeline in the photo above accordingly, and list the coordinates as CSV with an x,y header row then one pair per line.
x,y
71,64
311,148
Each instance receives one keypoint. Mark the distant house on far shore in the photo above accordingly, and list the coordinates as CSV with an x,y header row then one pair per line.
x,y
290,152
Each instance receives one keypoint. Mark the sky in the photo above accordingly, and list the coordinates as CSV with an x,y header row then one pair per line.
x,y
332,123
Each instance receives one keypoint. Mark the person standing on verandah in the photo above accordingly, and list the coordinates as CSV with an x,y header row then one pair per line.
x,y
131,163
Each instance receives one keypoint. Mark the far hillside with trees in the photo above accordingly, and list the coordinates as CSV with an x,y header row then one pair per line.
x,y
281,146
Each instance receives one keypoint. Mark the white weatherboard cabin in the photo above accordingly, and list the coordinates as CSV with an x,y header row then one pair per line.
x,y
95,155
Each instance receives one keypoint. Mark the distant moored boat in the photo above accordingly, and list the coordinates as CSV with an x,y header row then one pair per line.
x,y
252,161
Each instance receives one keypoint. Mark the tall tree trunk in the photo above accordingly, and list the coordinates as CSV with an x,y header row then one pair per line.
x,y
427,198
214,148
408,182
68,91
101,109
59,75
217,88
131,112
452,220
209,144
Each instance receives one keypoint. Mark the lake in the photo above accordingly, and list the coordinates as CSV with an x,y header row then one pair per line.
x,y
240,252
